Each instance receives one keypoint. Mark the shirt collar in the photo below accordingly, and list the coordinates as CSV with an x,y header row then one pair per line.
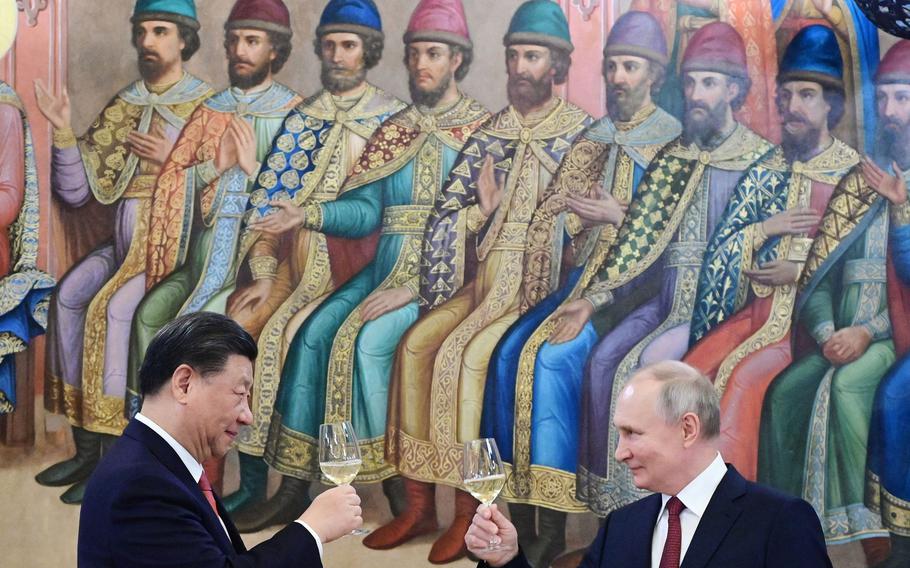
x,y
697,494
194,467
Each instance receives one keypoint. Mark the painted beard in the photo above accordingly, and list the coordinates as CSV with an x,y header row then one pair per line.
x,y
151,66
249,79
799,147
624,101
428,98
526,93
704,129
341,79
893,141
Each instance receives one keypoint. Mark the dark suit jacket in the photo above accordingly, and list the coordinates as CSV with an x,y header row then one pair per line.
x,y
746,525
142,508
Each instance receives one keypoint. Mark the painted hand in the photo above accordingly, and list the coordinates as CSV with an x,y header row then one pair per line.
x,y
571,318
888,186
55,109
791,222
606,210
380,303
775,273
153,147
286,216
847,345
489,189
251,297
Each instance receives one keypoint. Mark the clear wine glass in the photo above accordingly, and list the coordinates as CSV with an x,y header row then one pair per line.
x,y
339,456
484,474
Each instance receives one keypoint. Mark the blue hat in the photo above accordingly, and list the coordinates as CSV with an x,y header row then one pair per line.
x,y
177,11
638,34
540,22
813,55
353,16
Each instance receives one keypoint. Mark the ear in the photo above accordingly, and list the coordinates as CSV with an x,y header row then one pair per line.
x,y
691,428
456,62
732,90
181,381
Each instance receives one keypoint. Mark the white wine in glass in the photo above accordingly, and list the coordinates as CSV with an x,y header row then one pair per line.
x,y
339,456
484,474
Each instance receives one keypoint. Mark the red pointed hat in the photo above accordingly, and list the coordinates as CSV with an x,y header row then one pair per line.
x,y
267,15
895,66
716,47
439,20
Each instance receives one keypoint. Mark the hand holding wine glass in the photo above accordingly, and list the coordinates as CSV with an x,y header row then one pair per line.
x,y
484,475
339,456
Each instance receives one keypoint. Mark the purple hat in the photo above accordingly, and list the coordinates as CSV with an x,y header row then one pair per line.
x,y
638,34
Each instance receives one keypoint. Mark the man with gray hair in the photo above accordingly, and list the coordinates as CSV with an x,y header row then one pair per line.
x,y
702,510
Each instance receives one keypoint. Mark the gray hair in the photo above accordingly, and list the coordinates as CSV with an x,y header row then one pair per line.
x,y
683,390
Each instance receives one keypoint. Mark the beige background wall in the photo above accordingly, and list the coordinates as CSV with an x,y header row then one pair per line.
x,y
101,59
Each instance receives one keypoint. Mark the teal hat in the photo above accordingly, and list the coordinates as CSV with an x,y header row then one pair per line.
x,y
540,22
177,11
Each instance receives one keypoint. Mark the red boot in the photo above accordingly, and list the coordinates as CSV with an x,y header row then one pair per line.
x,y
419,518
450,546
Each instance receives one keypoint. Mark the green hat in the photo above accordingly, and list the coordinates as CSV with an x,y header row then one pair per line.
x,y
177,11
540,22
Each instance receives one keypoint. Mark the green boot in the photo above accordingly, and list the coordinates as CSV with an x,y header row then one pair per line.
x,y
254,475
77,468
394,491
288,503
551,538
74,495
524,517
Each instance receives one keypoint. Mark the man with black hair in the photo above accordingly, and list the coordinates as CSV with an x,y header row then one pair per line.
x,y
192,259
115,163
150,503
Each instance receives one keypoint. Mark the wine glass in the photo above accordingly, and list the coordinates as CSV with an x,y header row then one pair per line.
x,y
339,456
484,475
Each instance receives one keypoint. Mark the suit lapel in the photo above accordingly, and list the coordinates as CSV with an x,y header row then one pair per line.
x,y
638,531
169,458
719,517
236,539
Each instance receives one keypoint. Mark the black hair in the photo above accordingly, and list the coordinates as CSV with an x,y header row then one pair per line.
x,y
745,84
203,340
836,99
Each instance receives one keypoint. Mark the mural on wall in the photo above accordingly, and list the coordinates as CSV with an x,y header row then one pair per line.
x,y
482,230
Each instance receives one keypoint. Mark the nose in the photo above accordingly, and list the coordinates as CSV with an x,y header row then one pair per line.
x,y
889,109
337,56
246,417
622,452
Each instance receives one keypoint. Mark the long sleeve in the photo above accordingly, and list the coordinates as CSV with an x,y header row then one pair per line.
x,y
355,214
796,538
68,179
12,165
818,313
161,526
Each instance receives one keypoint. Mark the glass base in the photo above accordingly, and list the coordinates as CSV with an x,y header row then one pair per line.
x,y
360,532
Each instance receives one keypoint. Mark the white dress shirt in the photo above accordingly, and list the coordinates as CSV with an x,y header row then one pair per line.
x,y
695,497
195,468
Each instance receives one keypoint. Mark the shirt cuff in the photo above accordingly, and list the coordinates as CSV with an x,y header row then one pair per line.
x,y
264,267
64,138
900,214
315,536
312,218
206,172
823,332
475,219
599,296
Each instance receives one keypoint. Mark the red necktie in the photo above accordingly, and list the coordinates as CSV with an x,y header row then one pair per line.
x,y
673,546
206,488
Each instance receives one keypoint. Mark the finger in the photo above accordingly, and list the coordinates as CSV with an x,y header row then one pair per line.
x,y
66,95
896,168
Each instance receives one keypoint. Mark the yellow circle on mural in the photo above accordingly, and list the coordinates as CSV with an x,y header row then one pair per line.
x,y
9,18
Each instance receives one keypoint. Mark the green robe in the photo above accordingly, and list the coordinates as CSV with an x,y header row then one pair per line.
x,y
338,366
815,417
